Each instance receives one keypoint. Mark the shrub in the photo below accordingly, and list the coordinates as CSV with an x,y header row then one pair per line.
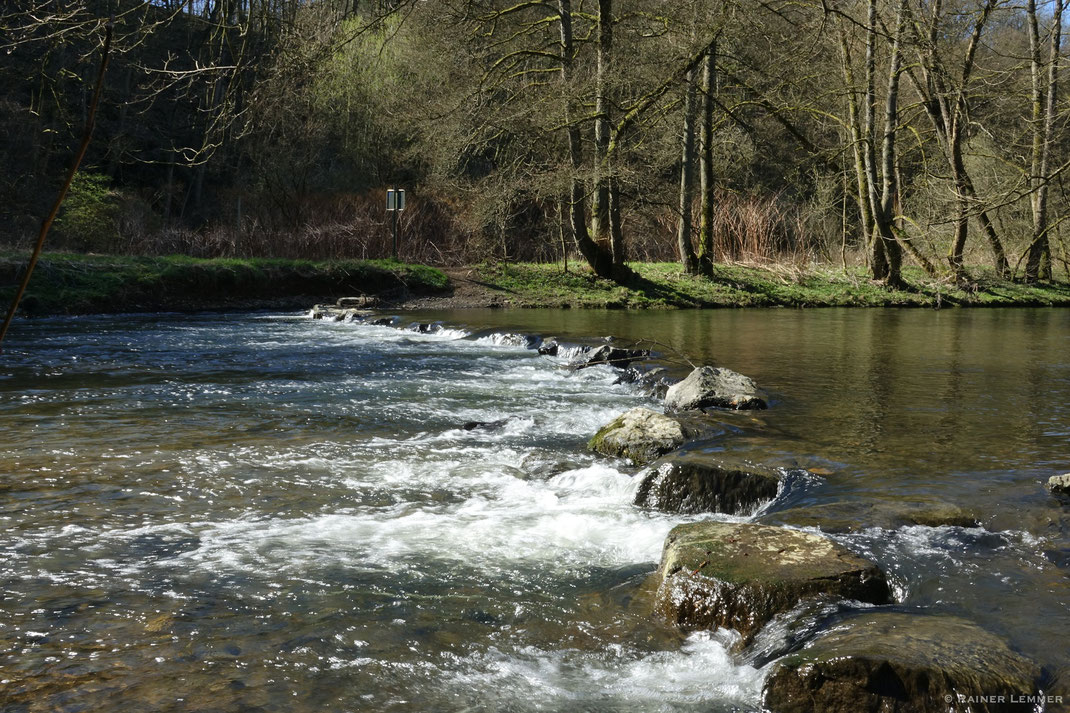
x,y
89,219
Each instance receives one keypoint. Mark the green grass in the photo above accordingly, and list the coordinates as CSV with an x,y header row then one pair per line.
x,y
665,285
65,283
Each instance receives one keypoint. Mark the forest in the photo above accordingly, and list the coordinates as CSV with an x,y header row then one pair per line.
x,y
882,133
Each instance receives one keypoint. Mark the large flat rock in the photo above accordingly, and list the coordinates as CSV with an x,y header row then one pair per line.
x,y
903,663
740,575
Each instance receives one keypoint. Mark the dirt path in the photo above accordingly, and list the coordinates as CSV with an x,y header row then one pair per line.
x,y
466,292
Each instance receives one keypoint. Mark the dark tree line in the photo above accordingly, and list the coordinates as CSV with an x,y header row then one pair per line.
x,y
889,132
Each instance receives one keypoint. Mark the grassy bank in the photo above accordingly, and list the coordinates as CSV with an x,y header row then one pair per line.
x,y
664,285
76,284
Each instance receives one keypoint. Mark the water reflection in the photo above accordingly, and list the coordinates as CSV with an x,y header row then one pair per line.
x,y
240,513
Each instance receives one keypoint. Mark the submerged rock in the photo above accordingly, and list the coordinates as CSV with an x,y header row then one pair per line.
x,y
694,482
709,386
889,661
1060,683
1059,484
485,425
640,435
740,575
851,516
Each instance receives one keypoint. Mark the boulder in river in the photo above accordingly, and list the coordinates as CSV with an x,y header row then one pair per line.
x,y
696,482
655,382
640,435
549,348
740,575
613,356
1059,484
709,386
891,661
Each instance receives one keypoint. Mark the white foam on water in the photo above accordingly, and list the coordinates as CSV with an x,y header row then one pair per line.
x,y
700,675
506,339
578,519
451,333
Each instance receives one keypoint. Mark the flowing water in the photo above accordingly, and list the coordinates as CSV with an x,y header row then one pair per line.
x,y
266,512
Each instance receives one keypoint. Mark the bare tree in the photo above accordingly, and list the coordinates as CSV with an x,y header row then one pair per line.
x,y
1044,100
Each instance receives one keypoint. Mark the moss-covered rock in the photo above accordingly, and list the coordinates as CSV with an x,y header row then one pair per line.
x,y
696,482
640,435
895,662
709,386
741,575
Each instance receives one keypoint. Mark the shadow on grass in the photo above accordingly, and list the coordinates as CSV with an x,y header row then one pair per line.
x,y
662,292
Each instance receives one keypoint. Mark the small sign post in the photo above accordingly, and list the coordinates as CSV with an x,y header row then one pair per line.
x,y
395,203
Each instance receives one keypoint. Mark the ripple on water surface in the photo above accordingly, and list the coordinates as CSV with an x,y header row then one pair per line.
x,y
213,513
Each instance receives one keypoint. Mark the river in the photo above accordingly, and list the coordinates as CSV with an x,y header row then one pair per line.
x,y
265,512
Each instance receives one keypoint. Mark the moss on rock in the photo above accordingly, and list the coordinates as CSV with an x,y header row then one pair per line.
x,y
741,575
640,435
890,661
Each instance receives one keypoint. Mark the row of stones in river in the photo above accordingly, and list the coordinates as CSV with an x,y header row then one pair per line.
x,y
743,576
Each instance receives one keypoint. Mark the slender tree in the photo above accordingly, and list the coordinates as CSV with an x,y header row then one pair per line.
x,y
706,178
687,164
1044,100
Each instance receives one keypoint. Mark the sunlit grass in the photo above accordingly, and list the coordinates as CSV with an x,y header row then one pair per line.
x,y
666,285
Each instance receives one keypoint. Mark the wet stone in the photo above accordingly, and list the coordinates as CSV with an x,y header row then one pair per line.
x,y
891,661
640,435
549,348
694,482
851,516
740,575
613,356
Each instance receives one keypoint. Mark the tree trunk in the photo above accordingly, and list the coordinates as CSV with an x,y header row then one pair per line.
x,y
705,227
865,214
946,108
599,259
878,259
616,231
884,210
687,161
1044,103
958,242
600,228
